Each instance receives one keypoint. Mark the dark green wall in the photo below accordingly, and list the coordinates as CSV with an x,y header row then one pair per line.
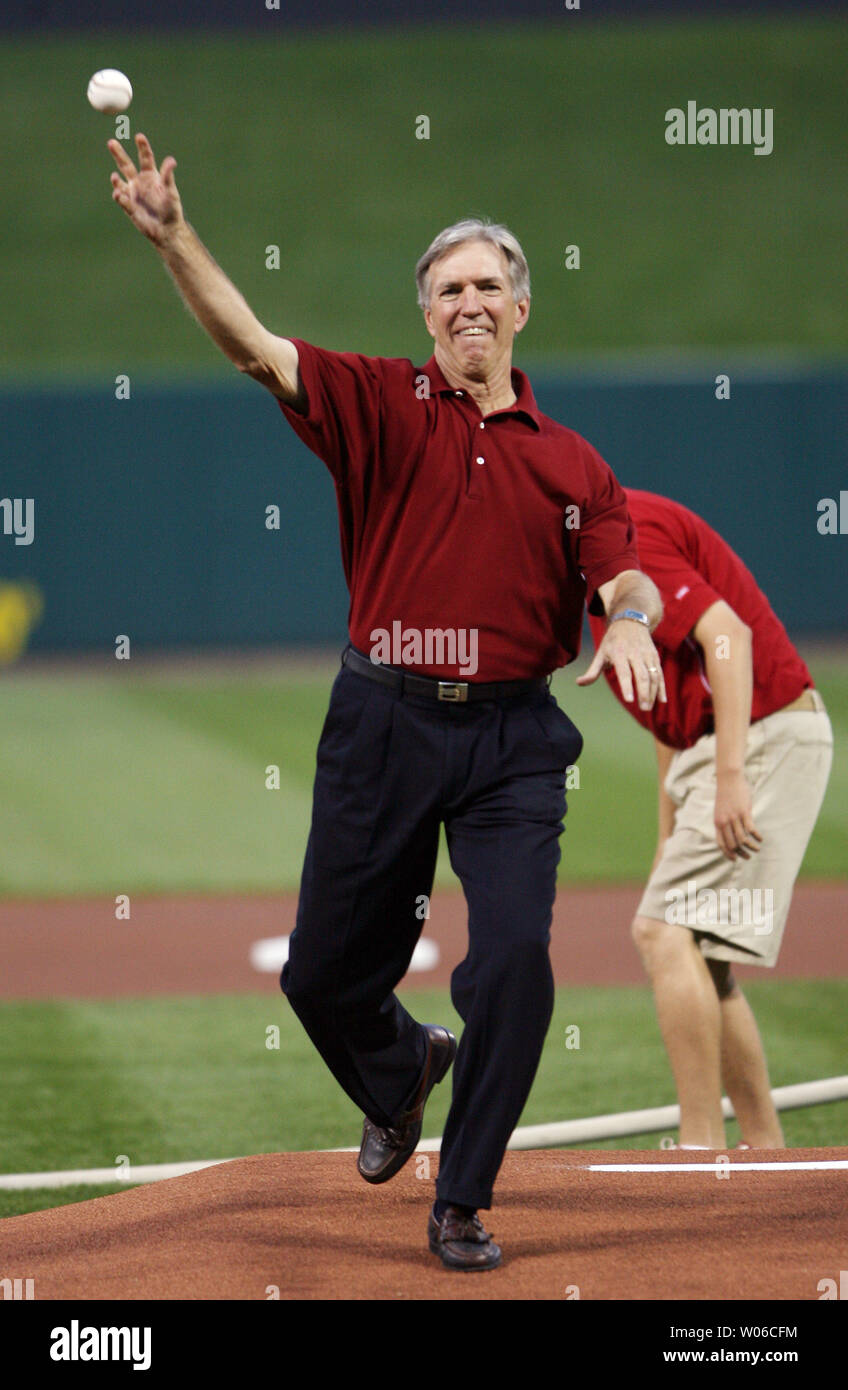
x,y
150,513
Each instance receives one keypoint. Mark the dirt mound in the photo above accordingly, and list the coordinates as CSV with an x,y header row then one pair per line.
x,y
305,1226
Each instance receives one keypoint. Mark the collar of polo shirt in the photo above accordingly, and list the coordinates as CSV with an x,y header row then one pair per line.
x,y
525,403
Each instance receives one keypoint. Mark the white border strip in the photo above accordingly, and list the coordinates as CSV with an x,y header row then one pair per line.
x,y
725,1165
617,1126
150,1172
156,1172
664,1117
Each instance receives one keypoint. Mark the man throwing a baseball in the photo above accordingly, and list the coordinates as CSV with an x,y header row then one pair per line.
x,y
473,529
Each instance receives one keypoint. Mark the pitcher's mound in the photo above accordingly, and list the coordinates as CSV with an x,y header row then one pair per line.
x,y
305,1226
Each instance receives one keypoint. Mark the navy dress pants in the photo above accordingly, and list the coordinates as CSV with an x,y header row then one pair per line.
x,y
390,768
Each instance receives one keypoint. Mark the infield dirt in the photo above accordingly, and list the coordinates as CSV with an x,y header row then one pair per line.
x,y
74,948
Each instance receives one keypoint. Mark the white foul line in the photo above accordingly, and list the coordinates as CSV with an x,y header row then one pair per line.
x,y
723,1165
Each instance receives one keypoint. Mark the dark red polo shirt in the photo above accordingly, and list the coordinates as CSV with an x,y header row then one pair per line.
x,y
693,568
450,520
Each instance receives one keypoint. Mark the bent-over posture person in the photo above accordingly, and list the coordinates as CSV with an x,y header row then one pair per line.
x,y
473,528
744,747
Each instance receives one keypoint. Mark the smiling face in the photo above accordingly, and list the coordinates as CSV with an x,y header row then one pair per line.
x,y
472,314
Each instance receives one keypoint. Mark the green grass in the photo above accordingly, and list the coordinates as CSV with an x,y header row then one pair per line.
x,y
158,788
143,783
169,1080
308,142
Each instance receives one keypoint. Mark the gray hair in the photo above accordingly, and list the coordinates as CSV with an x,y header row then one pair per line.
x,y
475,229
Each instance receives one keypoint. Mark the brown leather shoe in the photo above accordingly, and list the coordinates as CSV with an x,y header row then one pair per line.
x,y
383,1152
461,1241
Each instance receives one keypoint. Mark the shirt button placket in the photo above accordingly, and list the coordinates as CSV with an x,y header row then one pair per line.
x,y
475,488
480,458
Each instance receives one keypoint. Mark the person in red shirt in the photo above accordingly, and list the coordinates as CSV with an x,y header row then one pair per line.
x,y
473,529
744,749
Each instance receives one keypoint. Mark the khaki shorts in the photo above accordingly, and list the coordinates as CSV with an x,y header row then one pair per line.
x,y
737,909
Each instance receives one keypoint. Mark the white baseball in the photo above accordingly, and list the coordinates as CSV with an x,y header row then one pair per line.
x,y
110,91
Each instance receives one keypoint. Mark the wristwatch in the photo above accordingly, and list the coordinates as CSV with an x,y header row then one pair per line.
x,y
634,614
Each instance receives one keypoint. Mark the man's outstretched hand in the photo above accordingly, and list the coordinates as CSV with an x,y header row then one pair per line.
x,y
148,195
150,199
628,647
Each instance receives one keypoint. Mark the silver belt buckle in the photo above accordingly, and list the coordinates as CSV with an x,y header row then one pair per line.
x,y
454,691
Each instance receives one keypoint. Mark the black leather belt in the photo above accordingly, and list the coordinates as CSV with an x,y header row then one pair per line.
x,y
455,692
